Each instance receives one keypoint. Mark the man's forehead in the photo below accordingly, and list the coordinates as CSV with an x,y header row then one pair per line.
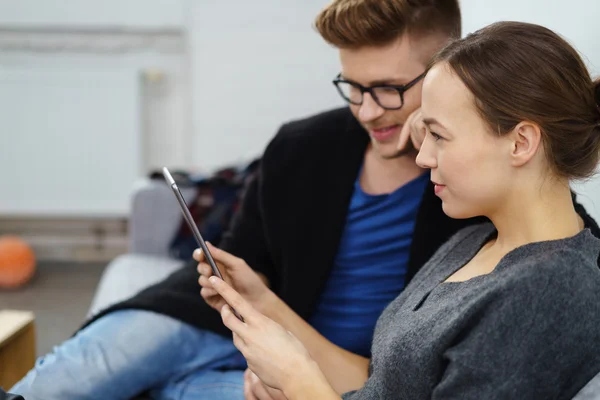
x,y
397,62
370,68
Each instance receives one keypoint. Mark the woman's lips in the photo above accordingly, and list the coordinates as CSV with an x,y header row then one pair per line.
x,y
437,188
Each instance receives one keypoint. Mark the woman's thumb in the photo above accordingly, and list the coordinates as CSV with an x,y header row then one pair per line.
x,y
229,260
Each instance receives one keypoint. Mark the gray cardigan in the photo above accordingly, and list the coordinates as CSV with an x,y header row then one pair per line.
x,y
528,330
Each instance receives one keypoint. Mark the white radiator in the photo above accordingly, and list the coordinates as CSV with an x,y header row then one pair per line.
x,y
69,140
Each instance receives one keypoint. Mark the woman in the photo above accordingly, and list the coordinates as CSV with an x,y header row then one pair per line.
x,y
506,309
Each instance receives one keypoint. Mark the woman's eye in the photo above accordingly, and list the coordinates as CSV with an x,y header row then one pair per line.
x,y
435,136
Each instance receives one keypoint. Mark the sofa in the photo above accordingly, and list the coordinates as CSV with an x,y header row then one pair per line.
x,y
154,221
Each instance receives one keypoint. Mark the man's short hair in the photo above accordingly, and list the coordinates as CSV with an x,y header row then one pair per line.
x,y
358,23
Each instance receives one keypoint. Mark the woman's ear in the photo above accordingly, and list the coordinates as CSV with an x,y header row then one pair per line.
x,y
526,140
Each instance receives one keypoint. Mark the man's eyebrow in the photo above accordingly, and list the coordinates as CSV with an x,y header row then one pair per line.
x,y
397,81
390,82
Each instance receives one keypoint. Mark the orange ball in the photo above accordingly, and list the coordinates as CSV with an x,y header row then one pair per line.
x,y
17,262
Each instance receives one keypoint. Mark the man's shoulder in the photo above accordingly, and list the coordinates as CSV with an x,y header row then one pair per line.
x,y
318,127
335,118
314,138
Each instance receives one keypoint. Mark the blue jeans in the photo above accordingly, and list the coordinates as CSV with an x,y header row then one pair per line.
x,y
128,352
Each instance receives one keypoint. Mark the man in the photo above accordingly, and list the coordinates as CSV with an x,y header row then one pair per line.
x,y
338,221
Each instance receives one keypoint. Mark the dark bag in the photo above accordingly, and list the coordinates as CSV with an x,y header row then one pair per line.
x,y
215,203
8,396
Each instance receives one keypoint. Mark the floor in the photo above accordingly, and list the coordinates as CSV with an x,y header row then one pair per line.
x,y
60,295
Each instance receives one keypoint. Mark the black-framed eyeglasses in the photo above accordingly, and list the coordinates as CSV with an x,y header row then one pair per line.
x,y
389,97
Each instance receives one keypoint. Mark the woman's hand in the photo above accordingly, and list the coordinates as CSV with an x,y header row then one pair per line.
x,y
255,389
273,354
252,286
413,130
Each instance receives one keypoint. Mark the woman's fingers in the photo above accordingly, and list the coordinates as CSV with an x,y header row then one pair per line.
x,y
413,130
205,282
239,343
224,257
257,387
204,269
198,255
404,137
418,132
261,393
218,254
233,323
208,293
233,298
248,394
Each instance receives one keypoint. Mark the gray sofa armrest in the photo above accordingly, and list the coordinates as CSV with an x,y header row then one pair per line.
x,y
591,391
155,217
127,275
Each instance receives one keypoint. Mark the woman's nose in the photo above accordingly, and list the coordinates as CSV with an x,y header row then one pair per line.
x,y
427,157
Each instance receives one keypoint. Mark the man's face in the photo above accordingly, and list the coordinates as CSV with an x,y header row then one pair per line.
x,y
397,63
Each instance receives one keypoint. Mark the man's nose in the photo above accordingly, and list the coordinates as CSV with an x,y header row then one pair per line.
x,y
369,109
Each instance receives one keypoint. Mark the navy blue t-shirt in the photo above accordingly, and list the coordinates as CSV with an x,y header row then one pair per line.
x,y
371,264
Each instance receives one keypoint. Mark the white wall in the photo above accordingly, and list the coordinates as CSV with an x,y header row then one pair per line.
x,y
244,69
73,137
83,117
576,20
255,65
153,14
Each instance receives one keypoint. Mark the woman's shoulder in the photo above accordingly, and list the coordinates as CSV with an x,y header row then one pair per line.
x,y
576,256
558,272
546,285
539,305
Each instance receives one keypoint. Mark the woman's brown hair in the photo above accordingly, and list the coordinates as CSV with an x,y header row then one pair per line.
x,y
525,72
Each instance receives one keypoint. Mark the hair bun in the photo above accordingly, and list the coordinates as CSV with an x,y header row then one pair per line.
x,y
597,92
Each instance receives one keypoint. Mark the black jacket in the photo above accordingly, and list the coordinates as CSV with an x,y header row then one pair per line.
x,y
8,396
292,219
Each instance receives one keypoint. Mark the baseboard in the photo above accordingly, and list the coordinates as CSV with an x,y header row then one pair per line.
x,y
70,239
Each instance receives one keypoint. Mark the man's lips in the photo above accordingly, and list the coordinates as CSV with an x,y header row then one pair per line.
x,y
384,133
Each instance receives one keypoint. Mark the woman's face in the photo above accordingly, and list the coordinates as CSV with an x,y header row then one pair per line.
x,y
468,162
